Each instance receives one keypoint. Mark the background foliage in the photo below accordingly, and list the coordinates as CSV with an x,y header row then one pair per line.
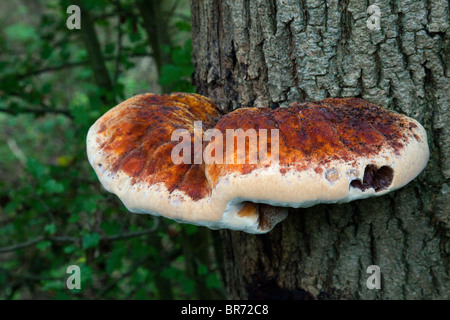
x,y
54,83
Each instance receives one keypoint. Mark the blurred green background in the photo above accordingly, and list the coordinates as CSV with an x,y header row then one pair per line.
x,y
54,83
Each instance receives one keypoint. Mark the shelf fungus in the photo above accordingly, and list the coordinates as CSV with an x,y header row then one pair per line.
x,y
179,157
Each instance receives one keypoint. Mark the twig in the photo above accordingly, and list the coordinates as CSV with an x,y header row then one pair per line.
x,y
119,48
128,235
44,107
52,68
26,276
37,112
17,152
170,256
22,245
71,65
133,234
171,11
128,13
123,276
29,243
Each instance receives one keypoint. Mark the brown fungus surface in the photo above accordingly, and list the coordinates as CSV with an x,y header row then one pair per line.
x,y
137,140
334,150
320,132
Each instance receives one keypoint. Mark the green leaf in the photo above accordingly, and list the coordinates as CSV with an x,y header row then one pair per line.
x,y
46,50
190,229
21,32
35,168
69,249
10,83
109,48
202,270
170,273
212,281
52,285
50,228
90,240
12,206
52,186
90,205
183,26
110,227
46,88
43,245
86,274
188,286
74,218
114,260
79,114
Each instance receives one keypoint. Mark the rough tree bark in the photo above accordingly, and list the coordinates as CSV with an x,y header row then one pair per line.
x,y
265,53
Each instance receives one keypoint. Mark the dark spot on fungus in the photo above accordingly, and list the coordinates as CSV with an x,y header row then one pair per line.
x,y
378,179
274,106
332,175
318,169
352,174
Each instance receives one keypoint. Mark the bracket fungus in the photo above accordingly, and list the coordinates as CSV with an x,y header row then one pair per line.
x,y
331,151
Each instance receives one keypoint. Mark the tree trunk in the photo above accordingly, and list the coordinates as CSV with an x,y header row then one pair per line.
x,y
266,53
94,51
